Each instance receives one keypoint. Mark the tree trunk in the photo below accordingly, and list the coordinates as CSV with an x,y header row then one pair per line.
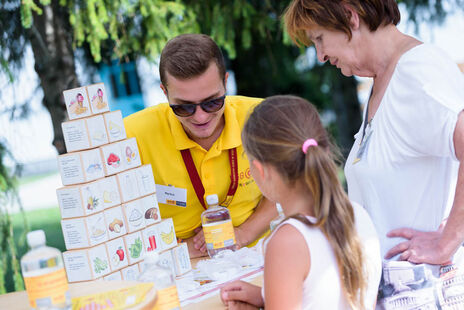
x,y
346,106
51,37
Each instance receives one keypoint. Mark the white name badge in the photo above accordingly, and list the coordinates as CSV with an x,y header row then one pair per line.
x,y
171,195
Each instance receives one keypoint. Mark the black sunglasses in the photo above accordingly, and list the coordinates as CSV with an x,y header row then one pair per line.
x,y
188,109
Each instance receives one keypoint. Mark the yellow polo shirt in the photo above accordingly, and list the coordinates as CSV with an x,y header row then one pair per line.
x,y
160,137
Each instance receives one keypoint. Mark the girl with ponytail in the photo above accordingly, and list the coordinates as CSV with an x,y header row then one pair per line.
x,y
326,254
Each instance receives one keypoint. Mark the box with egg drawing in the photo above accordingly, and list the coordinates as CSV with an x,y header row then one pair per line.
x,y
120,156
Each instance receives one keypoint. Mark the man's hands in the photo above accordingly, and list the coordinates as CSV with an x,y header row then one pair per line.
x,y
197,245
241,295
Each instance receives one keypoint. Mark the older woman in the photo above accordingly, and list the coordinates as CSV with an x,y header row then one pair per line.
x,y
404,167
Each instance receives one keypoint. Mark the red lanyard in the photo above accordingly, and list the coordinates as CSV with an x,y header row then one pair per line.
x,y
198,185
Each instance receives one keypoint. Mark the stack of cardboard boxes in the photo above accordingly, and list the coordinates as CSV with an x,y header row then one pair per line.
x,y
109,210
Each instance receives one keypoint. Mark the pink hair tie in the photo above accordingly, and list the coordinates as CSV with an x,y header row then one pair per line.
x,y
307,144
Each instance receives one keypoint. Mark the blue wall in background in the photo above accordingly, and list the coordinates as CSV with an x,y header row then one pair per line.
x,y
123,87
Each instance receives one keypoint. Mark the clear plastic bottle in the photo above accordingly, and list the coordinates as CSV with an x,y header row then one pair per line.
x,y
44,275
165,285
217,227
275,222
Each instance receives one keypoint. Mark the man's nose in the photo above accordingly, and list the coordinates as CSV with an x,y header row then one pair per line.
x,y
199,114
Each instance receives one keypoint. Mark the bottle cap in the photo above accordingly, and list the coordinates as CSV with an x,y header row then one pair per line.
x,y
35,238
212,200
151,257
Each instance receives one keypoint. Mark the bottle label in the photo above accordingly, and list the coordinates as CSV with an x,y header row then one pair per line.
x,y
47,290
219,235
167,299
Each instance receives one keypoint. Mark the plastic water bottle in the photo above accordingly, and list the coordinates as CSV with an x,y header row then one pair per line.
x,y
217,227
165,285
44,275
275,222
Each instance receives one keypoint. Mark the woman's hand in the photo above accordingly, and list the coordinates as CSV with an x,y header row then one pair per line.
x,y
420,247
240,291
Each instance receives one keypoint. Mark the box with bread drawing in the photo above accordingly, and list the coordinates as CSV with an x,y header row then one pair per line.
x,y
108,204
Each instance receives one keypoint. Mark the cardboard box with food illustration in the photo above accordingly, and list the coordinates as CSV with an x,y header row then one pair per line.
x,y
115,222
77,103
120,156
117,254
181,259
85,133
133,215
114,126
80,167
127,184
86,264
109,192
84,232
134,246
150,209
130,273
80,200
151,238
109,209
98,98
145,180
167,234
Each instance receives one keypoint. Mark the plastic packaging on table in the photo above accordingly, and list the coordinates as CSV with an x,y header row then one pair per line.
x,y
165,285
217,227
44,275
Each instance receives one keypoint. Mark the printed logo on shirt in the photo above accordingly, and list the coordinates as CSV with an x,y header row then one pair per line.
x,y
245,178
244,174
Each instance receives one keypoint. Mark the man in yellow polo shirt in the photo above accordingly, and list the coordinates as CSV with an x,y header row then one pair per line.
x,y
194,144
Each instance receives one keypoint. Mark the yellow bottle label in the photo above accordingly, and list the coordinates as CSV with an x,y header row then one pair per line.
x,y
167,299
219,235
50,288
116,299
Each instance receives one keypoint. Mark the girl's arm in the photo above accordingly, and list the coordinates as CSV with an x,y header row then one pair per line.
x,y
287,263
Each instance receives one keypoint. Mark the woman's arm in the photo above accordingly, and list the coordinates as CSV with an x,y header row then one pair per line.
x,y
437,247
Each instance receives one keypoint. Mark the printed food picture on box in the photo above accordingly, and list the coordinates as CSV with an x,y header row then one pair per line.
x,y
117,254
115,222
134,246
97,228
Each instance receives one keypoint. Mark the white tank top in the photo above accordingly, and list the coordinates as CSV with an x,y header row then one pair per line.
x,y
322,288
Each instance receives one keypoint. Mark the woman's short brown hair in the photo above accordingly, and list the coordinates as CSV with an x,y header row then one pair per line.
x,y
189,55
301,15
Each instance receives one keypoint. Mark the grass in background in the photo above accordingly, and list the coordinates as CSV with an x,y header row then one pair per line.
x,y
46,219
35,178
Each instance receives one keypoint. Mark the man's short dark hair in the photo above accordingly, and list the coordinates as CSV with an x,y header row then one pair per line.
x,y
189,55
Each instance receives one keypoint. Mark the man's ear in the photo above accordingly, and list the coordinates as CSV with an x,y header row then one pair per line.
x,y
354,17
165,91
226,76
